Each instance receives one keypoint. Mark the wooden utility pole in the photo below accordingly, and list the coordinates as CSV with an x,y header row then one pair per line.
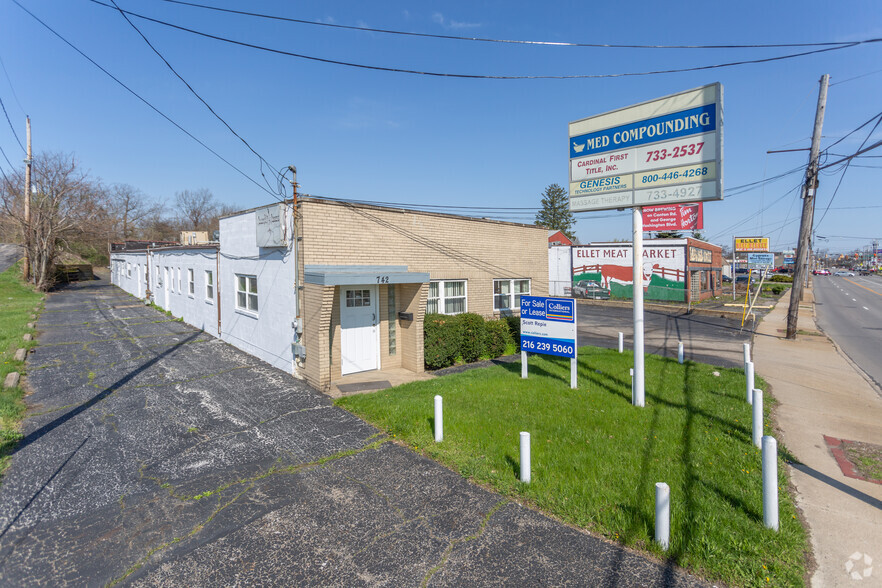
x,y
26,266
804,246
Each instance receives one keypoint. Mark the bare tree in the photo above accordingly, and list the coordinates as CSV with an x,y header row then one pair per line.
x,y
65,203
196,208
130,209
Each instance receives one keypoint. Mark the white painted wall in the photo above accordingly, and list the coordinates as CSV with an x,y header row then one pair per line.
x,y
196,309
560,271
267,334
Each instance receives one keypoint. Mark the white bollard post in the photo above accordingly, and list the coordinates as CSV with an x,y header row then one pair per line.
x,y
632,385
663,515
621,342
746,353
680,353
523,365
770,482
757,417
574,373
525,457
748,376
439,421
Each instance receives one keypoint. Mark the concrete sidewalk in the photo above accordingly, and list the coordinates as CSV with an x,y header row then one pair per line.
x,y
820,392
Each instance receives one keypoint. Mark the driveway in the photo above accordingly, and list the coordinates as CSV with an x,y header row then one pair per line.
x,y
9,254
156,455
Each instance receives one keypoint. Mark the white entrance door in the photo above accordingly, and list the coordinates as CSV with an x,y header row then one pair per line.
x,y
360,336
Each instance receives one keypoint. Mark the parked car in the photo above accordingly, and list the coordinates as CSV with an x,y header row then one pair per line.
x,y
844,273
590,289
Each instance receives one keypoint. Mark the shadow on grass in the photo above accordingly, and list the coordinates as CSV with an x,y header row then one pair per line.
x,y
515,466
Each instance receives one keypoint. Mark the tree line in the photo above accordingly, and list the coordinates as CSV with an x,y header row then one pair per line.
x,y
74,212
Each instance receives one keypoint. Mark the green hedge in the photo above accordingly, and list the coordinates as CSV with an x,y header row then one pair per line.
x,y
463,337
781,278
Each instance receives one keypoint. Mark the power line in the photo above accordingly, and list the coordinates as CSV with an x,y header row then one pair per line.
x,y
489,40
20,144
488,77
11,87
189,87
144,100
856,77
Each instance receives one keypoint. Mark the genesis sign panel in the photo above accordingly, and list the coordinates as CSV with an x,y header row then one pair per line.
x,y
548,325
665,151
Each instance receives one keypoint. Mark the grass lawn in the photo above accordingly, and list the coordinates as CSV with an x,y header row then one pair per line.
x,y
596,458
17,303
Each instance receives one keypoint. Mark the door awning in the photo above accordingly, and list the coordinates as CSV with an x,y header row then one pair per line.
x,y
352,275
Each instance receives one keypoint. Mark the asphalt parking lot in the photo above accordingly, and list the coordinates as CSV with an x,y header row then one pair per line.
x,y
156,455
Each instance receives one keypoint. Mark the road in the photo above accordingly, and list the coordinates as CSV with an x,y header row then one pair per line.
x,y
849,311
708,339
9,254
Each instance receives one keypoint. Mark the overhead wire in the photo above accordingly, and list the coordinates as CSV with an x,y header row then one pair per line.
x,y
11,87
144,100
490,40
483,76
12,128
196,94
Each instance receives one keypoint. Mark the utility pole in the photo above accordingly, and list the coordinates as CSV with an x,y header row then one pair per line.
x,y
26,266
800,273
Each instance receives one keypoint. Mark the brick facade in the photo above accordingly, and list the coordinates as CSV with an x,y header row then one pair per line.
x,y
444,246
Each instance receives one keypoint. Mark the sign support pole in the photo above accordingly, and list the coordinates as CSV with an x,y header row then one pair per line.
x,y
639,399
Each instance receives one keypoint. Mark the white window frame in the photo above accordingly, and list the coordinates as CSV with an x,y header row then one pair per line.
x,y
209,286
180,289
129,269
251,305
191,282
513,297
441,300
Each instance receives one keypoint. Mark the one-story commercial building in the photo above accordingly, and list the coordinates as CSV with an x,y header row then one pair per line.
x,y
325,288
683,270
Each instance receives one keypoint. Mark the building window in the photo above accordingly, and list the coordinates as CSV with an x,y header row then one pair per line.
x,y
507,293
447,297
180,290
246,293
191,282
393,321
356,298
129,269
209,285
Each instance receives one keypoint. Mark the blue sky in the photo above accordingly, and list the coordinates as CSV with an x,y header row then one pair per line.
x,y
401,138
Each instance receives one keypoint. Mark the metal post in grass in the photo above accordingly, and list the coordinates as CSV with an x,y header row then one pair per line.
x,y
680,352
748,376
770,482
757,417
523,365
621,342
525,457
663,515
439,420
574,373
746,353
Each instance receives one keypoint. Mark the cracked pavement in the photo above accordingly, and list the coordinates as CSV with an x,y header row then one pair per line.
x,y
157,455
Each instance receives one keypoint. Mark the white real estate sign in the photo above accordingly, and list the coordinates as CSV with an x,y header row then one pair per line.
x,y
666,151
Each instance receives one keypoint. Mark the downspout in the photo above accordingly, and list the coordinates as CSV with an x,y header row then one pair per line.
x,y
147,291
217,281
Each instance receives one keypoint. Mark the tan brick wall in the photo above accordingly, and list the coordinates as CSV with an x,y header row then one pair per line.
x,y
446,247
317,309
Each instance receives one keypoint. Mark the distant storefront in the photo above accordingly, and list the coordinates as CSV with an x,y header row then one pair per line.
x,y
678,270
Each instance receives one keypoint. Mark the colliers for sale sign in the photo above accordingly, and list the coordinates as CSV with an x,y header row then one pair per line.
x,y
665,151
548,325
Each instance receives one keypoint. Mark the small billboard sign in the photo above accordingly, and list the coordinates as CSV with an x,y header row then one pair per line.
x,y
751,244
664,151
548,325
760,260
674,217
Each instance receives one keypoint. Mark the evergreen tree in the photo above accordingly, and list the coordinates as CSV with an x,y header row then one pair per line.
x,y
555,212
